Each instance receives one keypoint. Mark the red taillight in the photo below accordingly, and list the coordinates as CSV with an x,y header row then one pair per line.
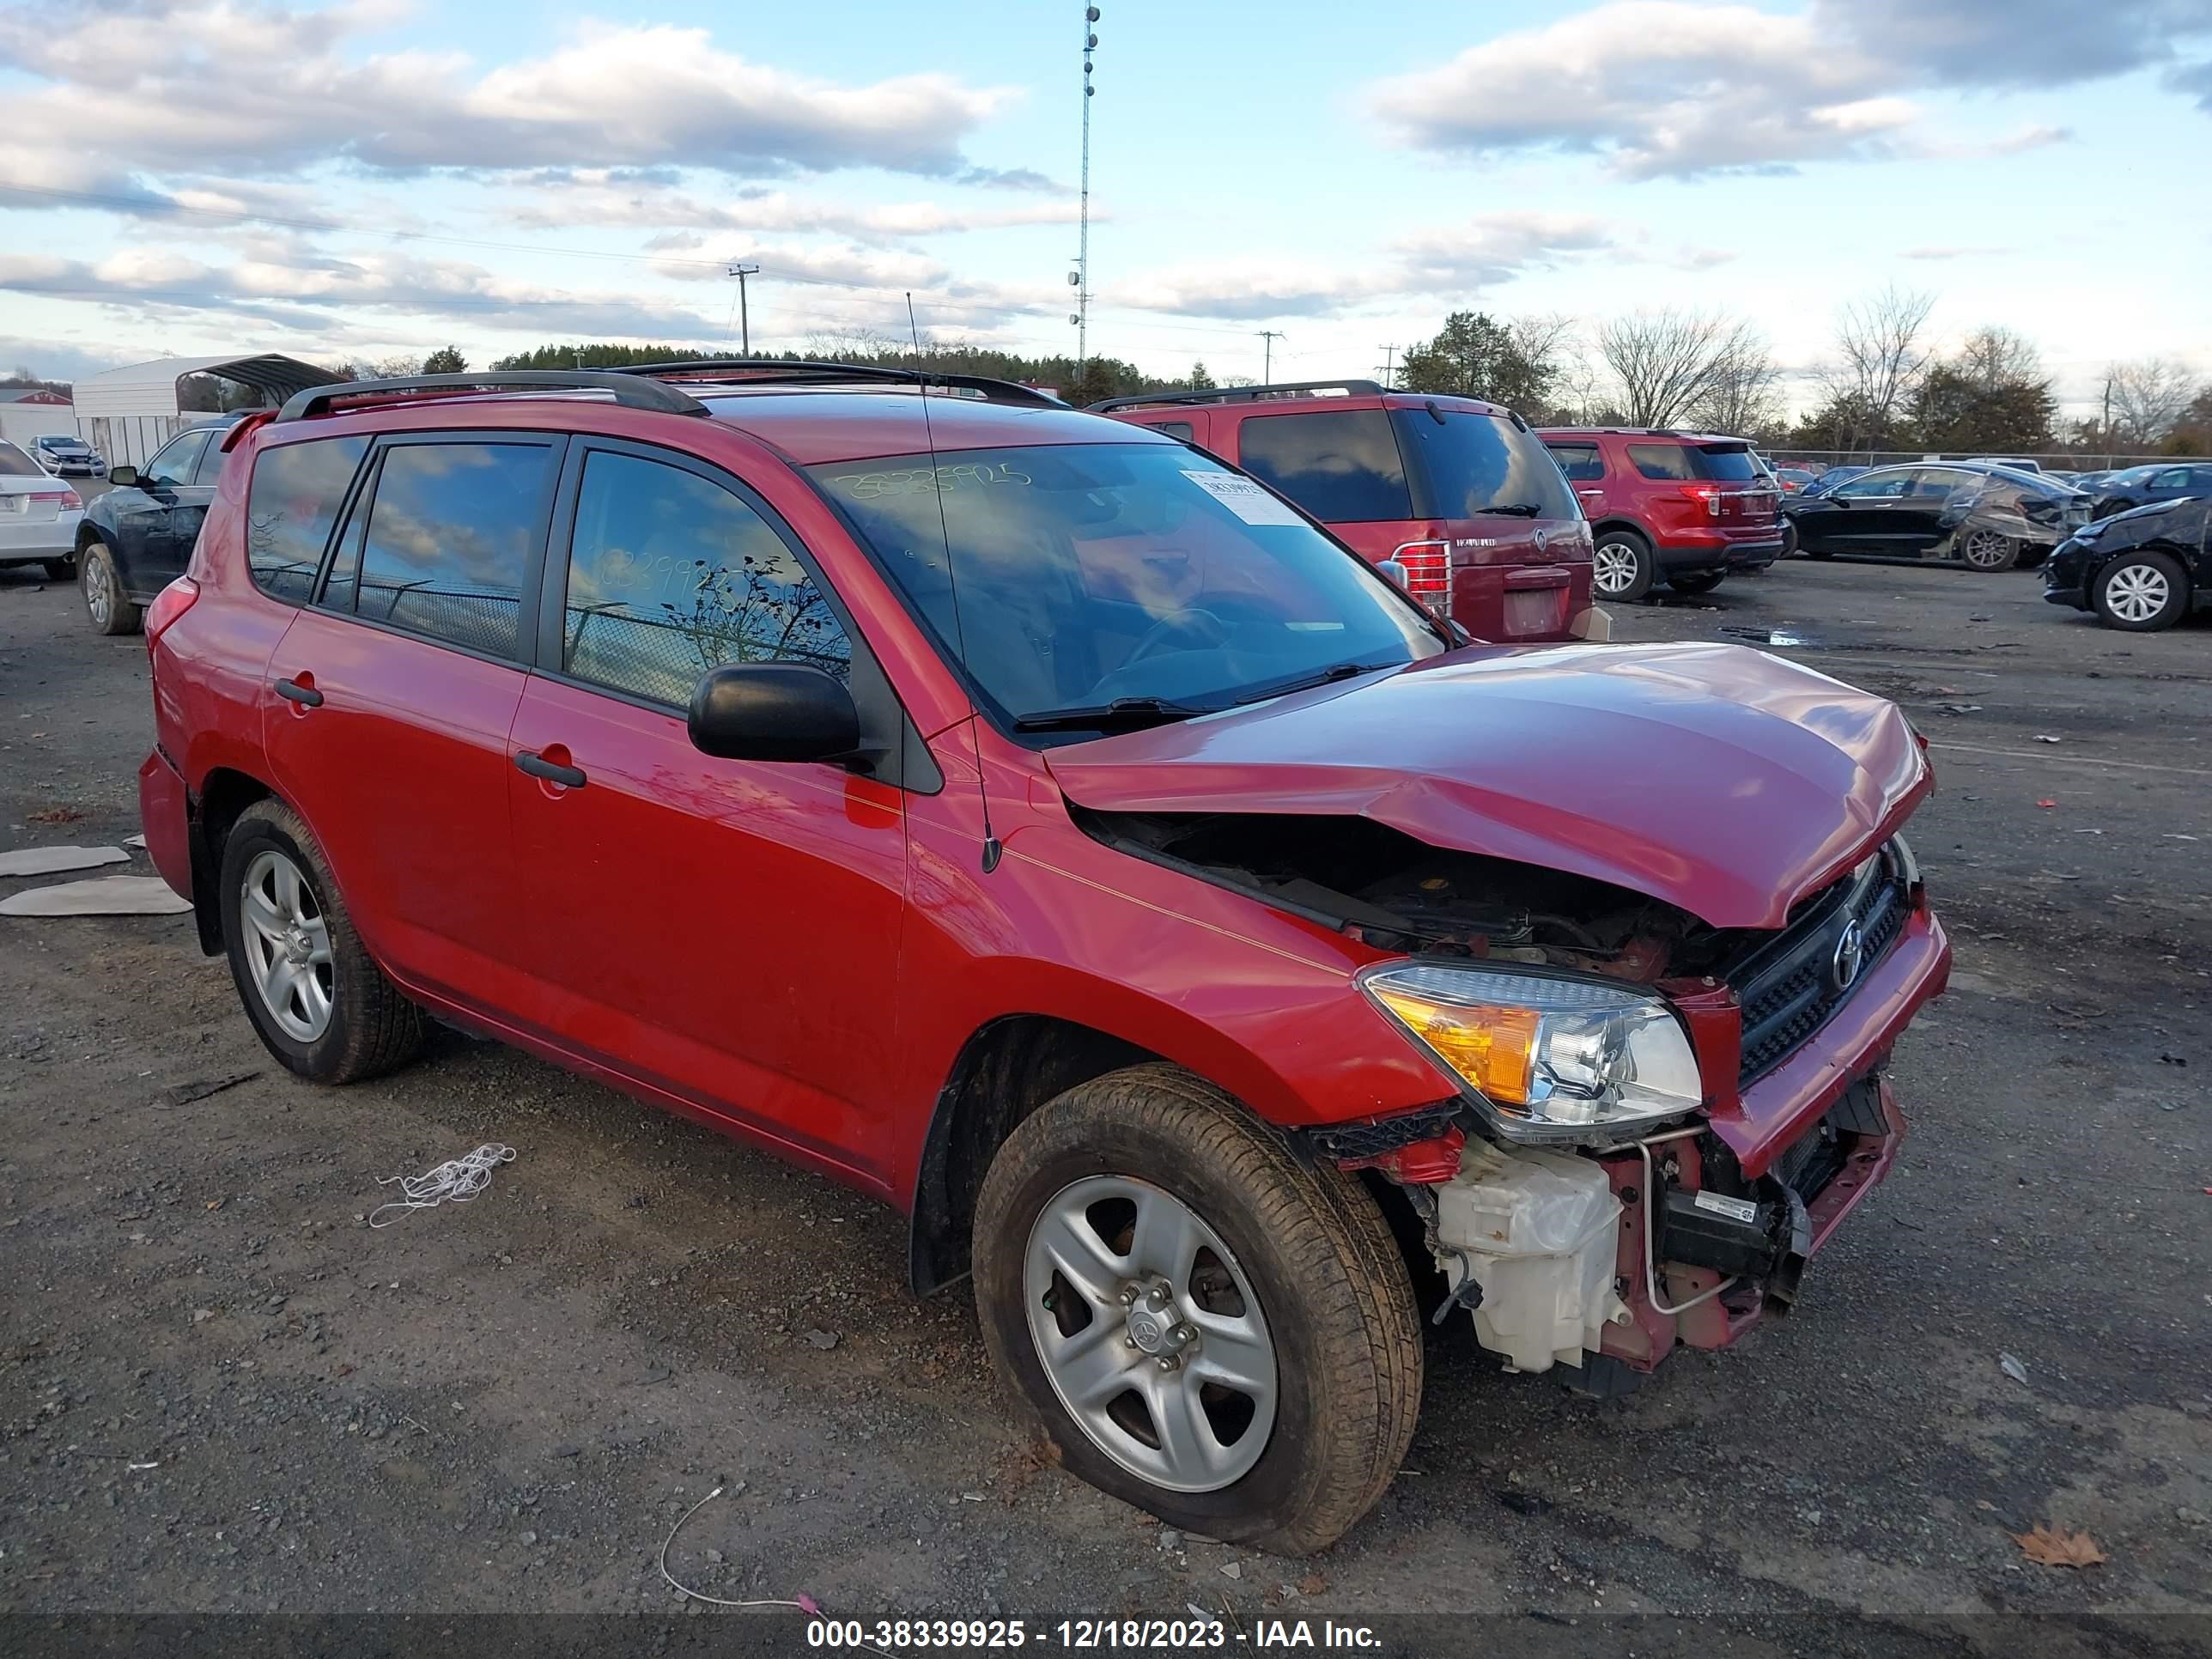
x,y
1428,574
171,602
1707,494
69,500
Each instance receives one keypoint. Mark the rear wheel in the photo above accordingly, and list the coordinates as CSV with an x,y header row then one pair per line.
x,y
2140,593
318,1001
1696,581
106,603
1621,566
1205,1327
1989,549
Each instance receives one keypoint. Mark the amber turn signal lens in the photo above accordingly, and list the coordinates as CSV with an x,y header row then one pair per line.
x,y
1492,1046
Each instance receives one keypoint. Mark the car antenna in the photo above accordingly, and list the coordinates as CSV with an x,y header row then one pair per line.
x,y
992,849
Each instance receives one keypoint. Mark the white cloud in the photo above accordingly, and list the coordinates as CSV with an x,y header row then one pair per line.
x,y
1673,88
214,85
601,196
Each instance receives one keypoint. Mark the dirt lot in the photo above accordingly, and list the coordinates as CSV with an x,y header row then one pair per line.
x,y
506,1405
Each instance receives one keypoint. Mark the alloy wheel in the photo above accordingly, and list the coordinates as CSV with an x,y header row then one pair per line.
x,y
2138,592
1985,549
98,590
1150,1334
288,945
1613,569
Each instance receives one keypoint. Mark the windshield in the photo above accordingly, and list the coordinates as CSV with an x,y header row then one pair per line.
x,y
1094,572
14,464
1474,463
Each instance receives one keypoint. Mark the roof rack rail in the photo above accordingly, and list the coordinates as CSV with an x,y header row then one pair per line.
x,y
629,393
766,370
1242,394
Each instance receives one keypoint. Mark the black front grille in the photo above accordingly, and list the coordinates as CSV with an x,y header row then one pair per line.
x,y
1788,988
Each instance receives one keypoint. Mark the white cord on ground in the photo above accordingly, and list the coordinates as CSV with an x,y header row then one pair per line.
x,y
456,1180
804,1603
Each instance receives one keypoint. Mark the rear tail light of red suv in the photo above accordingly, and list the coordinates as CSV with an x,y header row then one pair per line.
x,y
171,602
1428,572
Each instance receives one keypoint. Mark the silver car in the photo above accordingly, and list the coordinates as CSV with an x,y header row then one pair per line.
x,y
39,515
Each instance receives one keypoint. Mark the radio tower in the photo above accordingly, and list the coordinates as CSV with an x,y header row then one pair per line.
x,y
1082,273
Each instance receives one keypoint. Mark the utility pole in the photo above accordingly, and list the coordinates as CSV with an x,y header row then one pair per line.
x,y
1081,275
1267,360
1389,375
745,311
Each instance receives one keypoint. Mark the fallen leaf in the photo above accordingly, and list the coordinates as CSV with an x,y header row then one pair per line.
x,y
2054,1546
1312,1584
53,814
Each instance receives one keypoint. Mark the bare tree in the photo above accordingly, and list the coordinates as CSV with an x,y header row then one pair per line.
x,y
1882,352
1666,361
1993,357
1740,396
2144,398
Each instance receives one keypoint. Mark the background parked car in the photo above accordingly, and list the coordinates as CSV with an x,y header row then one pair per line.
x,y
2141,485
1990,517
1681,507
2138,571
136,539
1795,479
64,456
38,514
1830,477
2017,463
1458,492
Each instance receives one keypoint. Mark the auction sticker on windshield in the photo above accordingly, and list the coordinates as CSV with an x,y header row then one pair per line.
x,y
1246,499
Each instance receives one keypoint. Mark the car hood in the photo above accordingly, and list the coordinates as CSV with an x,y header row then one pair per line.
x,y
1716,777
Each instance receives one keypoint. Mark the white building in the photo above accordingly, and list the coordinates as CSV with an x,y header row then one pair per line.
x,y
28,412
128,413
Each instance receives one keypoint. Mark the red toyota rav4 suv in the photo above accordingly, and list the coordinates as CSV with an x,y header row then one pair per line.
x,y
1459,493
1681,507
1028,820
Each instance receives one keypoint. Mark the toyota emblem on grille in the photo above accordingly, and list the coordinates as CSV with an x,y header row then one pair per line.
x,y
1850,955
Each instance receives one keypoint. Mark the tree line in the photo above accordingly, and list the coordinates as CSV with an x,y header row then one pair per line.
x,y
1884,385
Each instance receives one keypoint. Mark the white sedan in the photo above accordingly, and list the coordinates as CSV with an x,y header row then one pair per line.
x,y
39,515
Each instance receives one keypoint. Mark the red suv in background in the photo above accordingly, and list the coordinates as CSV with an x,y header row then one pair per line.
x,y
1458,492
1031,822
1681,507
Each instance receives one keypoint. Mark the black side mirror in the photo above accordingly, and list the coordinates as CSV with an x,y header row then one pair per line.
x,y
774,711
123,476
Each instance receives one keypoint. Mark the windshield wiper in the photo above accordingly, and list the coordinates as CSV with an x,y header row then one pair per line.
x,y
1515,510
1130,712
1329,676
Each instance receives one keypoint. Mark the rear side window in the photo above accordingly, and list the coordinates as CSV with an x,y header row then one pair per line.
x,y
1182,429
1472,463
1581,462
296,494
669,575
1722,463
449,541
1342,466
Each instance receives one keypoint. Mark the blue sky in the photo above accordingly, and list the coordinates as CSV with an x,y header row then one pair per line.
x,y
372,178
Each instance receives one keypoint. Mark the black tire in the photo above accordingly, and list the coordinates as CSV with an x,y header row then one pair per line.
x,y
1789,538
59,570
1323,1266
106,606
1624,546
1986,551
1696,581
2150,565
372,1027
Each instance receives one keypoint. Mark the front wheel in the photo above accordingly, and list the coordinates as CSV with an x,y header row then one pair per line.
x,y
2140,593
1696,581
1205,1327
1621,566
106,603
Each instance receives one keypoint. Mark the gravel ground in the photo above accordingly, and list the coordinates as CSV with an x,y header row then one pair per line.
x,y
220,1391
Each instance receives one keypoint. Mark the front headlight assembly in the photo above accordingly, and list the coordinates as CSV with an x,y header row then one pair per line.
x,y
1546,1058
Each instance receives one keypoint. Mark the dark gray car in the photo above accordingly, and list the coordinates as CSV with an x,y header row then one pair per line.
x,y
2139,486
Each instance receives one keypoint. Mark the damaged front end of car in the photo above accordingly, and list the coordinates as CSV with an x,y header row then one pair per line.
x,y
1654,1123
